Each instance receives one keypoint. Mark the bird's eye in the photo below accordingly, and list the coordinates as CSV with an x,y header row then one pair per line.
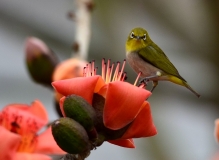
x,y
132,35
144,37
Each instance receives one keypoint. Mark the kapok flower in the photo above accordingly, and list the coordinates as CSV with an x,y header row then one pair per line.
x,y
19,124
124,104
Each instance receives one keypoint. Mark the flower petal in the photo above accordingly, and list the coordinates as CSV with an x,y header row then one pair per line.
x,y
61,102
123,102
103,91
31,118
46,144
9,144
24,107
30,156
82,86
69,68
128,143
216,130
143,125
39,110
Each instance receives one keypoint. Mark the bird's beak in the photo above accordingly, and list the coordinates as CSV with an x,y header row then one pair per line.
x,y
138,37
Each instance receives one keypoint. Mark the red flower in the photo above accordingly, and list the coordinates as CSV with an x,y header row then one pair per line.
x,y
124,103
19,124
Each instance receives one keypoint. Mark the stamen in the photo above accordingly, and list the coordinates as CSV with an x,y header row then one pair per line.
x,y
124,76
28,142
107,71
110,76
92,67
103,68
87,70
108,65
123,66
84,71
116,72
95,71
108,68
139,75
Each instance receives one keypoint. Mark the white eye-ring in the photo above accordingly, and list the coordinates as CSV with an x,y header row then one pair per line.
x,y
144,38
132,35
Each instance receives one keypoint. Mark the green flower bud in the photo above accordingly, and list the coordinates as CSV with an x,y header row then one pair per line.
x,y
71,136
40,61
80,110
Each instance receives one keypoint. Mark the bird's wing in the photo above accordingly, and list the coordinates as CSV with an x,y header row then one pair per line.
x,y
156,57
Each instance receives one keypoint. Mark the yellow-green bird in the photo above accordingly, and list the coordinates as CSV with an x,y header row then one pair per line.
x,y
146,57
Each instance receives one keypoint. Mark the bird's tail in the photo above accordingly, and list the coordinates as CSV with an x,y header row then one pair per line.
x,y
182,83
190,88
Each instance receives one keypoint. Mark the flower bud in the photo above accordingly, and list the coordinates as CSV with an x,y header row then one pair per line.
x,y
40,61
81,111
70,136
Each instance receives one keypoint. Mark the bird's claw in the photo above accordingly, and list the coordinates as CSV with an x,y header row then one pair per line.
x,y
144,81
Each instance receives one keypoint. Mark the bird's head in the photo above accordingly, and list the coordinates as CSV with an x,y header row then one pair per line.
x,y
137,39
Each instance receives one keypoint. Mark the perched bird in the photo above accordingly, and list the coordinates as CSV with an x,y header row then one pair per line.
x,y
146,57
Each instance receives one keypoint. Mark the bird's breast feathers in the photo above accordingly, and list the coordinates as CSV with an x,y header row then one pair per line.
x,y
139,65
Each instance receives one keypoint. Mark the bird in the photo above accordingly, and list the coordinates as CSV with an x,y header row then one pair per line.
x,y
145,57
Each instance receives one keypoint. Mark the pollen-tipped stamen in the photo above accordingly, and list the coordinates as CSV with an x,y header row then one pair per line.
x,y
103,68
95,70
92,67
107,72
136,81
122,70
124,76
116,71
84,71
111,71
87,70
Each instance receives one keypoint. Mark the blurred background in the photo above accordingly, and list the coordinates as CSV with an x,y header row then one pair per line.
x,y
187,31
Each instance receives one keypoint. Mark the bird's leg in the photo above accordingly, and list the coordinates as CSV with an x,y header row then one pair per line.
x,y
155,83
149,78
145,81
